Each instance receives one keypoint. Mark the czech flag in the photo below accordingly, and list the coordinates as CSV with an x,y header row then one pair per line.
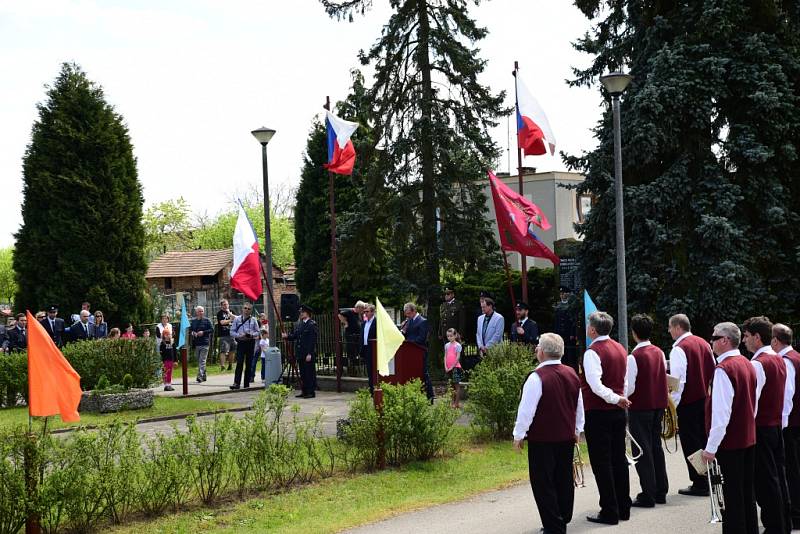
x,y
246,272
341,154
533,128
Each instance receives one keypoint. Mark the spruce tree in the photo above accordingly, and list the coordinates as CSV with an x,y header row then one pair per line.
x,y
81,237
431,117
709,131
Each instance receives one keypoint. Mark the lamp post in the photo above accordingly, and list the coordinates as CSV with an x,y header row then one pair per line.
x,y
616,83
263,135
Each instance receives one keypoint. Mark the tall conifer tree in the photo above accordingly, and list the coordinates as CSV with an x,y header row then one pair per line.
x,y
81,236
709,130
431,118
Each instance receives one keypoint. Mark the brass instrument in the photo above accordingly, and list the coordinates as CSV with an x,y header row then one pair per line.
x,y
715,480
629,444
669,425
577,469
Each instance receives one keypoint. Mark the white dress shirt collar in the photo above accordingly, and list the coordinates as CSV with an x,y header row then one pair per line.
x,y
599,338
785,350
681,338
734,352
641,344
523,320
765,349
550,362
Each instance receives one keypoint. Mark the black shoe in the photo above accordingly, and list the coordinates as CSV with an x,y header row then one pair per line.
x,y
310,396
692,491
301,396
229,367
199,379
643,504
235,386
661,500
205,378
600,519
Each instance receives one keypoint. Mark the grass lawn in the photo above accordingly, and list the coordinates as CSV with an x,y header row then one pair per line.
x,y
343,502
162,406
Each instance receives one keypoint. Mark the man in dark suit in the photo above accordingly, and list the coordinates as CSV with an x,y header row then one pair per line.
x,y
415,330
369,332
564,325
54,326
305,349
18,336
524,330
80,328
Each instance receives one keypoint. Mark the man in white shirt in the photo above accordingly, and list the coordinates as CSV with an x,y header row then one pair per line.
x,y
550,416
782,344
692,362
732,437
369,331
605,364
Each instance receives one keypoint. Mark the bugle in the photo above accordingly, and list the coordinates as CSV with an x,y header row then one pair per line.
x,y
714,474
577,468
629,444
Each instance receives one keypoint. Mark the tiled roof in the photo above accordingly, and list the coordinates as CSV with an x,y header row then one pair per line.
x,y
189,263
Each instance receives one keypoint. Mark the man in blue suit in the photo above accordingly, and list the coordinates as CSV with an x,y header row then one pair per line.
x,y
415,330
490,326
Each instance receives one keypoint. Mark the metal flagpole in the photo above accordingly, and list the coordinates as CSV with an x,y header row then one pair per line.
x,y
522,257
334,275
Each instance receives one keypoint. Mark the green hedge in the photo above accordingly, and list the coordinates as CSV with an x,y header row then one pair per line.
x,y
495,386
92,359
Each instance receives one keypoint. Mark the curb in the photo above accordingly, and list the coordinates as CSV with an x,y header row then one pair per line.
x,y
160,419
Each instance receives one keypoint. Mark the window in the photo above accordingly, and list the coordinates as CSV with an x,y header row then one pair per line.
x,y
168,283
208,280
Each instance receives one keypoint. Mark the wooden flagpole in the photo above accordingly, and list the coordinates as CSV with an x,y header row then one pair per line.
x,y
522,257
334,276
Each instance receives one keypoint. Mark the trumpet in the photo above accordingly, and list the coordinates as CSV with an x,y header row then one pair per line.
x,y
577,469
669,425
715,481
629,444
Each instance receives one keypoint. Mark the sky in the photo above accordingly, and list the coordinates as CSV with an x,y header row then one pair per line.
x,y
192,79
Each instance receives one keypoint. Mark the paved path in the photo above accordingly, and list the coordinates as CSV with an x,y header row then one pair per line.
x,y
513,510
216,383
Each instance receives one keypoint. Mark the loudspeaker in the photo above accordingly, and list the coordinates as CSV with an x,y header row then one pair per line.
x,y
290,307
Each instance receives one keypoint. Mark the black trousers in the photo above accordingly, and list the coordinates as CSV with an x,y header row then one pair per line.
x,y
427,377
738,473
772,494
692,431
366,356
791,447
550,470
308,374
244,357
605,439
645,427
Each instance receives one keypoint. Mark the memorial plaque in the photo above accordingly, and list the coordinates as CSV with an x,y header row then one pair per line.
x,y
569,274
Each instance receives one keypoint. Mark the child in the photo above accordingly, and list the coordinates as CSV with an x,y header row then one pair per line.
x,y
452,363
169,355
128,334
263,345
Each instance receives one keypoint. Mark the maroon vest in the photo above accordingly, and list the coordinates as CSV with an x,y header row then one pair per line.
x,y
794,416
614,362
651,379
741,430
699,368
555,414
770,403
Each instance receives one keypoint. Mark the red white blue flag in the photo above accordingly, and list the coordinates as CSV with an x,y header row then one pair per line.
x,y
341,154
534,134
246,272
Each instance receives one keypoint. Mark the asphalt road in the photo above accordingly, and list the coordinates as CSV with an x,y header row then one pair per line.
x,y
513,510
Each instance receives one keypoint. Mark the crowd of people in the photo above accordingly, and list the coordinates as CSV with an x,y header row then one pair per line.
x,y
739,414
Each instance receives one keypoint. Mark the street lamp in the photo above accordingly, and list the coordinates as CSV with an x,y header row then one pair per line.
x,y
615,83
263,135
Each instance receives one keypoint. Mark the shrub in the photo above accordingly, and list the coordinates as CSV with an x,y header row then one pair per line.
x,y
12,489
495,386
127,381
413,428
113,358
13,378
102,383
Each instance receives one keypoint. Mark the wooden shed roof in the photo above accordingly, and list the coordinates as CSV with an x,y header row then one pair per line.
x,y
176,264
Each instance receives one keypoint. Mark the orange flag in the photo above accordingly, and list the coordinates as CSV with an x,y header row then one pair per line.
x,y
53,385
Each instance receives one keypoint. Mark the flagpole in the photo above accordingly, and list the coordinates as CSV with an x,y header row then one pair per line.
x,y
523,258
508,279
334,276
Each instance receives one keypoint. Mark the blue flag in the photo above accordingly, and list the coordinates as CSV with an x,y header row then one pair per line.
x,y
588,308
184,325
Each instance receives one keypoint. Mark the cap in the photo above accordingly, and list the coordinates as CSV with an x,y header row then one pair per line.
x,y
522,306
449,290
306,308
52,308
487,294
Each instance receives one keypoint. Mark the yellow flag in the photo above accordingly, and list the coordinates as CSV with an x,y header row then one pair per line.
x,y
389,338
